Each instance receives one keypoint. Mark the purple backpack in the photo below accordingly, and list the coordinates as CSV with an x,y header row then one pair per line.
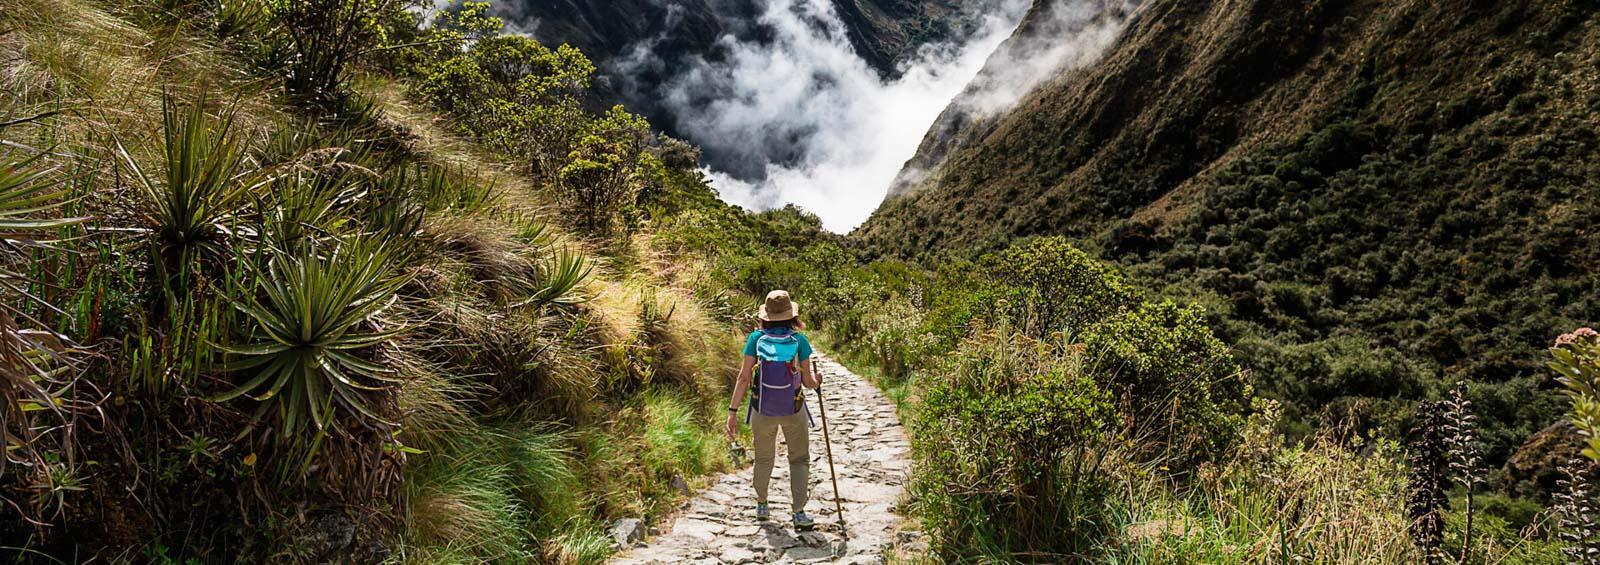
x,y
777,375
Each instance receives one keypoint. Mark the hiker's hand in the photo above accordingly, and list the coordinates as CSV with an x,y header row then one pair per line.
x,y
733,425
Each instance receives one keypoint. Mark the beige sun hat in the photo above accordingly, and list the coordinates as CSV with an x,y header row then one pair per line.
x,y
778,307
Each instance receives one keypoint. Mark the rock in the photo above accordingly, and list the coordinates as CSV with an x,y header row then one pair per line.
x,y
809,553
627,532
327,535
705,532
813,539
1536,466
739,555
915,548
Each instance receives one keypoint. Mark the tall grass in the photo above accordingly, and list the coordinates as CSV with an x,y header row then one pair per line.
x,y
677,440
501,493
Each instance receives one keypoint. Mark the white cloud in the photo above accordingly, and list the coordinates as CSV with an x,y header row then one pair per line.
x,y
798,117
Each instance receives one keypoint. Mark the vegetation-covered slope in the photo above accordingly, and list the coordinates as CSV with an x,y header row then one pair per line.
x,y
308,281
1381,196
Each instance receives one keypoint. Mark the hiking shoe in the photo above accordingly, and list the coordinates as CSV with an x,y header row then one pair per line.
x,y
802,521
762,511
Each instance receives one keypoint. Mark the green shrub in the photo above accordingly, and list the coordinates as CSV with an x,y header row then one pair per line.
x,y
601,180
1008,450
1165,366
1058,287
893,334
326,38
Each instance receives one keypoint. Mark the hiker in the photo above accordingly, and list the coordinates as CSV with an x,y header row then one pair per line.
x,y
778,358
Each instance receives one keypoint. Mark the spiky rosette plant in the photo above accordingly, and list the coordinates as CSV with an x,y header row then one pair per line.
x,y
191,203
29,356
315,325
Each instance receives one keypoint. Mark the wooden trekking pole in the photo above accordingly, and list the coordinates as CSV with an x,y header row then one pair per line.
x,y
827,443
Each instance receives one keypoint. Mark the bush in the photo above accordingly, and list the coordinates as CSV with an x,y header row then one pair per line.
x,y
602,179
1165,366
1008,450
326,38
1061,289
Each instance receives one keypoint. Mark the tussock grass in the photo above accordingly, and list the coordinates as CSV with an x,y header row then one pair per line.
x,y
504,492
463,502
676,439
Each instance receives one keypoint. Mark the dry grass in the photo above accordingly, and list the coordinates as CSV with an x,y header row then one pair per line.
x,y
1272,503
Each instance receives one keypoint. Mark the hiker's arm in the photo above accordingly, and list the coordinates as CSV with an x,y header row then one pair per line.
x,y
808,377
740,387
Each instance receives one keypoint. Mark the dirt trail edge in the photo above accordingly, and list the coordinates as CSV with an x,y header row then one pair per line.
x,y
872,455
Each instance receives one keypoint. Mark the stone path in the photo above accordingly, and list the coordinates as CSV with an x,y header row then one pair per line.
x,y
872,455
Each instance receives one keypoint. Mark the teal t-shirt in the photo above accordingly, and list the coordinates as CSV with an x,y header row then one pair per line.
x,y
804,351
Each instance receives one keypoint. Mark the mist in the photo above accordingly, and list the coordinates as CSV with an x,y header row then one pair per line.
x,y
797,117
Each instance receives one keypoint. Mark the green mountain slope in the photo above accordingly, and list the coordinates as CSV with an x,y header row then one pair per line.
x,y
1379,196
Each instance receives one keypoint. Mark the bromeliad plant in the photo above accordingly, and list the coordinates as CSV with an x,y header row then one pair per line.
x,y
190,206
315,322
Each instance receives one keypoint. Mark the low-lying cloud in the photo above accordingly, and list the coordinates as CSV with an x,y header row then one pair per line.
x,y
797,117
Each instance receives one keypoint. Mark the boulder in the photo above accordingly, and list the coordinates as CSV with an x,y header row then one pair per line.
x,y
1536,466
628,531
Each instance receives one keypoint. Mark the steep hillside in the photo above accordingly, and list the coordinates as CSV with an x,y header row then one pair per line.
x,y
271,299
1381,197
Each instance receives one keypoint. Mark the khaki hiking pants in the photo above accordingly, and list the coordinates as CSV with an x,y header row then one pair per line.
x,y
797,435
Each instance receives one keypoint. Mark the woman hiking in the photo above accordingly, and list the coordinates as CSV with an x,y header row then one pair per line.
x,y
777,359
